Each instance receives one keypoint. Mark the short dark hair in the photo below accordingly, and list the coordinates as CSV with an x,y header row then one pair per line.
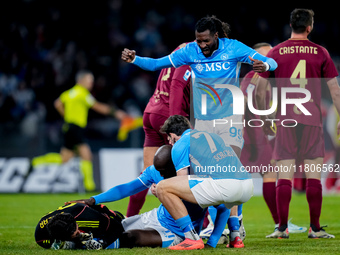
x,y
62,226
163,162
213,24
176,124
300,19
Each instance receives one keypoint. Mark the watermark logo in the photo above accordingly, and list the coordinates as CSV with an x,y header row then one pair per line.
x,y
204,97
238,102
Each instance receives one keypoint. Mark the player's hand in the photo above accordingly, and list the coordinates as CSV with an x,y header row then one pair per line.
x,y
269,128
128,55
153,189
89,202
258,65
338,129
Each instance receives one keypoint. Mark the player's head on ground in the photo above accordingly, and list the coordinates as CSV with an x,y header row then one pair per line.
x,y
62,227
85,78
207,32
301,21
163,162
174,127
263,48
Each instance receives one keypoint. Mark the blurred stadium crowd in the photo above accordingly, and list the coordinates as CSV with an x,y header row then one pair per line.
x,y
44,43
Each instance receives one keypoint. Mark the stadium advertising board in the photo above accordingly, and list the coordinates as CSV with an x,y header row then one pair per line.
x,y
118,166
17,175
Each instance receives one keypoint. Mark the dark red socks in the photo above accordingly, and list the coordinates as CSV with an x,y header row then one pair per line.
x,y
314,198
269,195
283,197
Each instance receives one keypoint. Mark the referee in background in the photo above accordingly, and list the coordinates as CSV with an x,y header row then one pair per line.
x,y
73,105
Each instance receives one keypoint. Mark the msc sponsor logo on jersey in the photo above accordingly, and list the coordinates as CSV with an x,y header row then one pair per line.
x,y
216,66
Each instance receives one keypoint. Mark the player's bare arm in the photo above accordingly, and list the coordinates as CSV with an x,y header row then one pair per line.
x,y
59,106
90,201
128,55
183,171
260,94
105,109
335,93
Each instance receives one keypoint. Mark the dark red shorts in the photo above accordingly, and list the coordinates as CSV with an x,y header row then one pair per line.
x,y
152,123
302,141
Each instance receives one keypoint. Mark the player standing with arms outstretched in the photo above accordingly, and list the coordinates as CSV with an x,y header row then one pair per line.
x,y
301,63
214,59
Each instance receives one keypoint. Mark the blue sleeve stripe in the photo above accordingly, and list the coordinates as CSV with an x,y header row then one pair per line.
x,y
143,182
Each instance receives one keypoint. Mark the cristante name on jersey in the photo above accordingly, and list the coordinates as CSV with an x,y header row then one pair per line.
x,y
298,49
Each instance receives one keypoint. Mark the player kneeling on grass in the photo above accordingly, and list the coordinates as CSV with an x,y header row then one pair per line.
x,y
218,177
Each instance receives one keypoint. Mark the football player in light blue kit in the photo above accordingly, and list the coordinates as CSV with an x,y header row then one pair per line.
x,y
216,177
214,60
159,218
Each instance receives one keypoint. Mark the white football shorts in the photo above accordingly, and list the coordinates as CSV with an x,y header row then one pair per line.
x,y
229,192
150,220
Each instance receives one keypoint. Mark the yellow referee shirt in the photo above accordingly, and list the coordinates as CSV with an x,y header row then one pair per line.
x,y
77,102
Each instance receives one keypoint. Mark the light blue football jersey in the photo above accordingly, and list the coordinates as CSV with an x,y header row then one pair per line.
x,y
211,158
222,67
181,150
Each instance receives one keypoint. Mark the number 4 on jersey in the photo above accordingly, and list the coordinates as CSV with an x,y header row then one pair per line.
x,y
299,71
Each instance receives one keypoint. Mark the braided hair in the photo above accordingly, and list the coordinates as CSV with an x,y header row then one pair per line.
x,y
213,24
62,226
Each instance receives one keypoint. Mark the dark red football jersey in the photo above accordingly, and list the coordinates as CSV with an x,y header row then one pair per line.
x,y
172,93
253,135
301,64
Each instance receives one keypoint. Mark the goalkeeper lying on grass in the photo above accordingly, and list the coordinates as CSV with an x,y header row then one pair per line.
x,y
147,229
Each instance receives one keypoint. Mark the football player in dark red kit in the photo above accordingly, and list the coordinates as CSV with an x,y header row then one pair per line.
x,y
301,64
258,148
171,96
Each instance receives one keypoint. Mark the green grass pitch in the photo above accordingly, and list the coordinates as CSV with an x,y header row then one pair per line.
x,y
19,214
